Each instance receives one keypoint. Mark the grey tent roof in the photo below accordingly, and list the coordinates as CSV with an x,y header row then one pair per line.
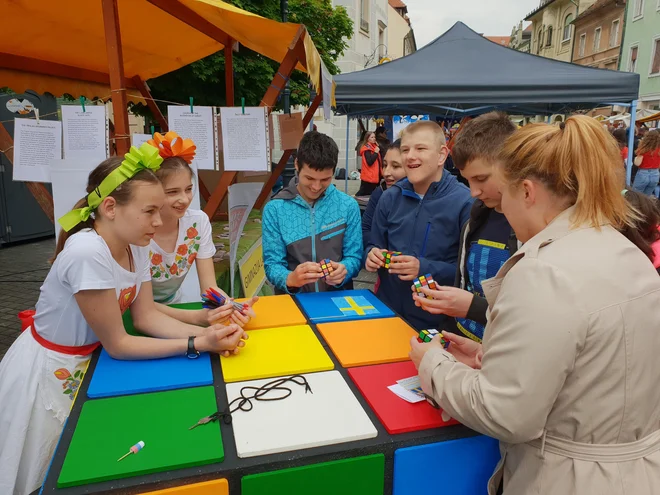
x,y
462,72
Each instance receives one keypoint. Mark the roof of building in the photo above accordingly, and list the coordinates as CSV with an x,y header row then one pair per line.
x,y
397,4
528,29
543,5
598,5
500,40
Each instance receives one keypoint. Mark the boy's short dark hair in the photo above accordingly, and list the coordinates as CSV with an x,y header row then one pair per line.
x,y
396,145
317,151
482,137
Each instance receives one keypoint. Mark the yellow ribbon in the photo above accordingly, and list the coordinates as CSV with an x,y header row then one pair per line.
x,y
146,157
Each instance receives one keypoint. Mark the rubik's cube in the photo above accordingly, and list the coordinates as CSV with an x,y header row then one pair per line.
x,y
326,267
427,335
388,257
424,281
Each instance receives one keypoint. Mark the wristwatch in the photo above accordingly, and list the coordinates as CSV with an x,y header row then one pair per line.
x,y
192,353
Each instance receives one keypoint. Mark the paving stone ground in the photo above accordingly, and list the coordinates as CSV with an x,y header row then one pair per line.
x,y
23,269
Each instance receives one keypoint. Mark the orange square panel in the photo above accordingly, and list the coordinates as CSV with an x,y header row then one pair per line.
x,y
215,487
275,311
365,342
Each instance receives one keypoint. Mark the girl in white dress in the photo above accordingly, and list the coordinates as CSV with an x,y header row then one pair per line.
x,y
97,274
185,236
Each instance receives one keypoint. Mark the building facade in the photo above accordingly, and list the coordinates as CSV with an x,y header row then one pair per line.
x,y
598,34
521,38
552,27
641,49
400,35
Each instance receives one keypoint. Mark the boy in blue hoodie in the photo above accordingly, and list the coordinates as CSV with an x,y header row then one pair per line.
x,y
309,221
422,217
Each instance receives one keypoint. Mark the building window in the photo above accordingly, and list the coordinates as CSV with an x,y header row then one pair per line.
x,y
567,27
364,15
632,62
614,34
549,40
655,61
597,40
540,42
583,45
639,9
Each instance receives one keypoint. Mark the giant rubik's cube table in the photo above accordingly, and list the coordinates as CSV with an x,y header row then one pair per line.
x,y
350,435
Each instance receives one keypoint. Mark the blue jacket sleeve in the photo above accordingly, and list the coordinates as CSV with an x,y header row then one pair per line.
x,y
368,215
352,249
378,236
276,266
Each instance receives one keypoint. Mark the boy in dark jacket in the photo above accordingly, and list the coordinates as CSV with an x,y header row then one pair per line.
x,y
421,217
309,221
487,240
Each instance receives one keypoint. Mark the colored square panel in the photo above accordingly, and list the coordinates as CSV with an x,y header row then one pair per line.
x,y
388,342
329,414
107,428
114,377
397,415
275,311
348,305
277,352
128,319
215,487
467,465
354,476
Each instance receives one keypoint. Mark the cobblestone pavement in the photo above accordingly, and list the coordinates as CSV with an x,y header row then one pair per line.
x,y
23,269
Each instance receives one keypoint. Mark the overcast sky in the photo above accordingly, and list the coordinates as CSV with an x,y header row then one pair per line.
x,y
431,18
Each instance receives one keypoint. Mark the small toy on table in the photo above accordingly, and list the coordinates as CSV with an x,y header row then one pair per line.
x,y
326,267
388,258
425,336
134,450
424,281
212,299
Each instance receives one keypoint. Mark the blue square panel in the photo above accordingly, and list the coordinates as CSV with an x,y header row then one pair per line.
x,y
456,467
114,377
345,305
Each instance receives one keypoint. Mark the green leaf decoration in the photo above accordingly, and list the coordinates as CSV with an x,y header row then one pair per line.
x,y
198,238
77,374
156,275
196,247
195,224
67,391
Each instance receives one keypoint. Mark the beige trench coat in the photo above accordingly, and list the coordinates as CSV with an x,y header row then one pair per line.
x,y
570,378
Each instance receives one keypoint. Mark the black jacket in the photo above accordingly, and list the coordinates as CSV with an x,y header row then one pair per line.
x,y
478,217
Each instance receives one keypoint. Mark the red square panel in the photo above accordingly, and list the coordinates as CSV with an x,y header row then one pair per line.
x,y
397,415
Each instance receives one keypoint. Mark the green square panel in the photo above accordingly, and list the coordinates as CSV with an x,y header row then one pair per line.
x,y
355,476
107,428
128,319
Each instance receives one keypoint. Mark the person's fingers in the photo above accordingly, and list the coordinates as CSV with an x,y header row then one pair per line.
x,y
407,278
241,343
225,353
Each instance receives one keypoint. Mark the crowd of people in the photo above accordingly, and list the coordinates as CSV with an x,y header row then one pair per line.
x,y
546,265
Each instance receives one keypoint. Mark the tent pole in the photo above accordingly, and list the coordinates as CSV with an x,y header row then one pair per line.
x,y
348,134
116,71
631,142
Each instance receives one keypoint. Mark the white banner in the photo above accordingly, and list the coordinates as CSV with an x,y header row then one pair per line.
x,y
241,200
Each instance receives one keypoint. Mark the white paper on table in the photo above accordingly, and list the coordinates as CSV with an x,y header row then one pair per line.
x,y
241,200
138,139
85,133
406,395
197,126
69,181
245,141
36,143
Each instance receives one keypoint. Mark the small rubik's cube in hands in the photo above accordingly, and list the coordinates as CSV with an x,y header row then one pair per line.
x,y
424,281
326,267
388,257
427,335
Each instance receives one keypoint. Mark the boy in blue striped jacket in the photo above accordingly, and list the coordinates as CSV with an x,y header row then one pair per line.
x,y
309,221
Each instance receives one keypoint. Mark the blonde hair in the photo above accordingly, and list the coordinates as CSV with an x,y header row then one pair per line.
x,y
577,160
422,125
649,143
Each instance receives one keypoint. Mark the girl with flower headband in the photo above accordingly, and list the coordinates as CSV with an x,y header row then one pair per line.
x,y
97,274
184,238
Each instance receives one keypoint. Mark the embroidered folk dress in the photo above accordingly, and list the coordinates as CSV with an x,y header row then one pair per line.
x,y
168,270
41,372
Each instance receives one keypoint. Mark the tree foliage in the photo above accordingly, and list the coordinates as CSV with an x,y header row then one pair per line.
x,y
329,27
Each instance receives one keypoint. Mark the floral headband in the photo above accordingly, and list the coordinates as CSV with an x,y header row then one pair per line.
x,y
136,160
171,144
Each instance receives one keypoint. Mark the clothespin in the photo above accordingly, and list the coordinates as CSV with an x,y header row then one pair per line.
x,y
153,129
243,105
36,114
191,105
82,103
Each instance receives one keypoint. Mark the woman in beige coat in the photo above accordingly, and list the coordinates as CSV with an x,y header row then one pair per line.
x,y
568,378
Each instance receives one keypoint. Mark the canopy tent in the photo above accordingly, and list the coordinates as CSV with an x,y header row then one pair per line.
x,y
463,73
651,118
111,47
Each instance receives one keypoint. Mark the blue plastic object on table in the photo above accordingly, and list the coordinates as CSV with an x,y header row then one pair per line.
x,y
113,377
345,305
458,467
